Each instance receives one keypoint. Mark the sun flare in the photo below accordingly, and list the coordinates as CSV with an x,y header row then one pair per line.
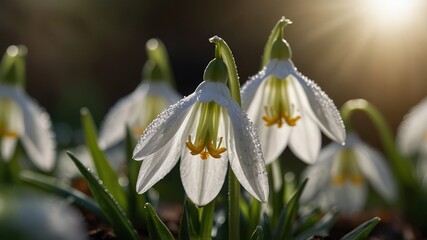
x,y
390,12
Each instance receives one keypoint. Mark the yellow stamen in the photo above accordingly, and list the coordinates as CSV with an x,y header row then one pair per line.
x,y
8,134
216,151
357,180
205,150
291,121
277,119
337,180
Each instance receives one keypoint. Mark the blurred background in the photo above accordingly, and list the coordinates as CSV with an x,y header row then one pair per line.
x,y
90,53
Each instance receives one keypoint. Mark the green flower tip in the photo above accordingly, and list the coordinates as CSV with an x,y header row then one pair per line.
x,y
216,71
284,21
152,72
12,66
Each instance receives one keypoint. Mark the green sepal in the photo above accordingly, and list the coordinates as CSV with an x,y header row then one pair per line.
x,y
281,50
216,71
157,53
102,165
274,35
56,187
156,228
113,212
363,230
12,66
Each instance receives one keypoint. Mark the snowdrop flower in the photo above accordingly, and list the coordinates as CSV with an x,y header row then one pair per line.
x,y
207,130
412,137
288,108
21,118
141,107
341,175
137,109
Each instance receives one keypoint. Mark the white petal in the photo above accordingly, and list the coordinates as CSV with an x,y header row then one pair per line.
x,y
164,90
202,179
252,87
157,165
8,146
375,169
38,139
113,128
163,128
320,106
305,140
245,154
319,174
412,131
131,108
349,198
273,139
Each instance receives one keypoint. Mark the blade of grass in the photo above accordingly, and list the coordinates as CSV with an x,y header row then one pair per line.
x,y
363,230
102,165
156,228
111,209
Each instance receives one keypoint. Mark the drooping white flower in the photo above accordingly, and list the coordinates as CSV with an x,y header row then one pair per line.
x,y
136,111
289,109
412,137
21,118
341,175
207,130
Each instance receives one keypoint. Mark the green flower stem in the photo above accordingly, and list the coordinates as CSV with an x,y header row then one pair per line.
x,y
12,66
400,165
207,220
157,53
227,56
275,33
222,49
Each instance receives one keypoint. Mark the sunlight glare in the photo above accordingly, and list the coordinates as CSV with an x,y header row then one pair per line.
x,y
390,12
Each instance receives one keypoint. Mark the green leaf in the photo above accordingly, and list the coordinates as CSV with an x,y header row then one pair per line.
x,y
363,230
258,233
266,227
156,228
190,223
321,227
136,202
102,165
273,36
54,186
111,209
291,212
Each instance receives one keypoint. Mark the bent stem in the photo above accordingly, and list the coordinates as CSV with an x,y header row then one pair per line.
x,y
222,50
399,164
